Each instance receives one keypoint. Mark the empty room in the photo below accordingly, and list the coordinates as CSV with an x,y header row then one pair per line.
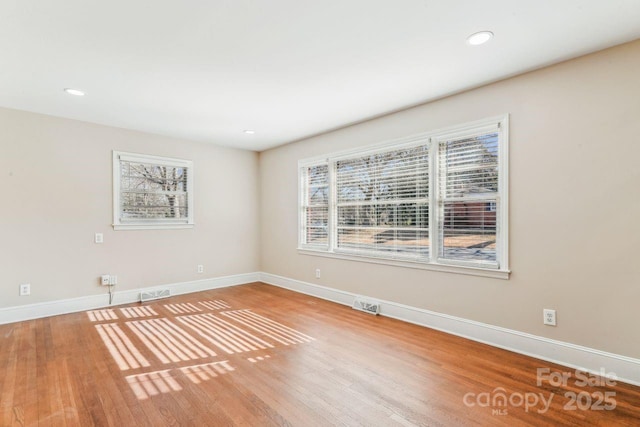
x,y
292,213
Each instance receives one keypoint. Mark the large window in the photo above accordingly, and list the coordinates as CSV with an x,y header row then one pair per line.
x,y
151,192
435,200
382,203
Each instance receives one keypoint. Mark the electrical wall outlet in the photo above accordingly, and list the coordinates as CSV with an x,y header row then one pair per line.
x,y
99,238
113,280
200,268
549,317
25,289
104,279
317,273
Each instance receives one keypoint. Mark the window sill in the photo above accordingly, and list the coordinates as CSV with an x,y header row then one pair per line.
x,y
470,271
119,227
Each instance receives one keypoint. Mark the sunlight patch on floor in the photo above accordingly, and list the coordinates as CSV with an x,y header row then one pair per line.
x,y
189,337
125,354
206,371
215,305
169,342
223,334
133,312
281,333
182,308
152,384
102,315
258,359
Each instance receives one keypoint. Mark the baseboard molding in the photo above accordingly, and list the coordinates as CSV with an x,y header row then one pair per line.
x,y
92,302
626,369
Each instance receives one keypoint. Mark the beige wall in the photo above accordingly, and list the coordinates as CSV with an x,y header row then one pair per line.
x,y
574,205
56,192
574,208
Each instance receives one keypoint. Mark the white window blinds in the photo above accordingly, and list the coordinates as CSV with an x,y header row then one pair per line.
x,y
468,198
315,205
434,199
383,203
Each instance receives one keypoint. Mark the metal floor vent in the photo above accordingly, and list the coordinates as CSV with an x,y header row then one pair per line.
x,y
368,306
151,295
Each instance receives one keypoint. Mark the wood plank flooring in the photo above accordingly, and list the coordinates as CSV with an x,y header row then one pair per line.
x,y
257,355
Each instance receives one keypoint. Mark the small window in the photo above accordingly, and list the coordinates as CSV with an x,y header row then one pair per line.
x,y
315,206
151,192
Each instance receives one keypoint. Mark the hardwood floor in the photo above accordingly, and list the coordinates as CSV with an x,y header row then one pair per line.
x,y
257,355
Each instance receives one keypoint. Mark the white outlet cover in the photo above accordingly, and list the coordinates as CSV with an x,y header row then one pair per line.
x,y
25,289
549,317
99,238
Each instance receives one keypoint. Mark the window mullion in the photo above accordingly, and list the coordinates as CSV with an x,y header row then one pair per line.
x,y
434,206
502,206
333,207
302,180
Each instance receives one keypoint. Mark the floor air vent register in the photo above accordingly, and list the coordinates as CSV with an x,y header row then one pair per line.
x,y
152,295
368,306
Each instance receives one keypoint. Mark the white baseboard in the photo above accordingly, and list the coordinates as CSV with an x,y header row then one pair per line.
x,y
91,302
626,369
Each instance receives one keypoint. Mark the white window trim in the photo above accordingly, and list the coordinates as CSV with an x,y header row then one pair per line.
x,y
156,224
500,271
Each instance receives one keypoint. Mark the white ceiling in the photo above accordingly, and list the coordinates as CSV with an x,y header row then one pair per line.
x,y
206,70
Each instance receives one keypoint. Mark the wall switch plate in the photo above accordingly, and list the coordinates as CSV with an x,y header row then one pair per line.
x,y
200,269
99,238
104,279
317,273
25,289
549,317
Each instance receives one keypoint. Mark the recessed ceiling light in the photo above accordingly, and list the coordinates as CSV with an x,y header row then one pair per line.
x,y
249,131
74,92
479,38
